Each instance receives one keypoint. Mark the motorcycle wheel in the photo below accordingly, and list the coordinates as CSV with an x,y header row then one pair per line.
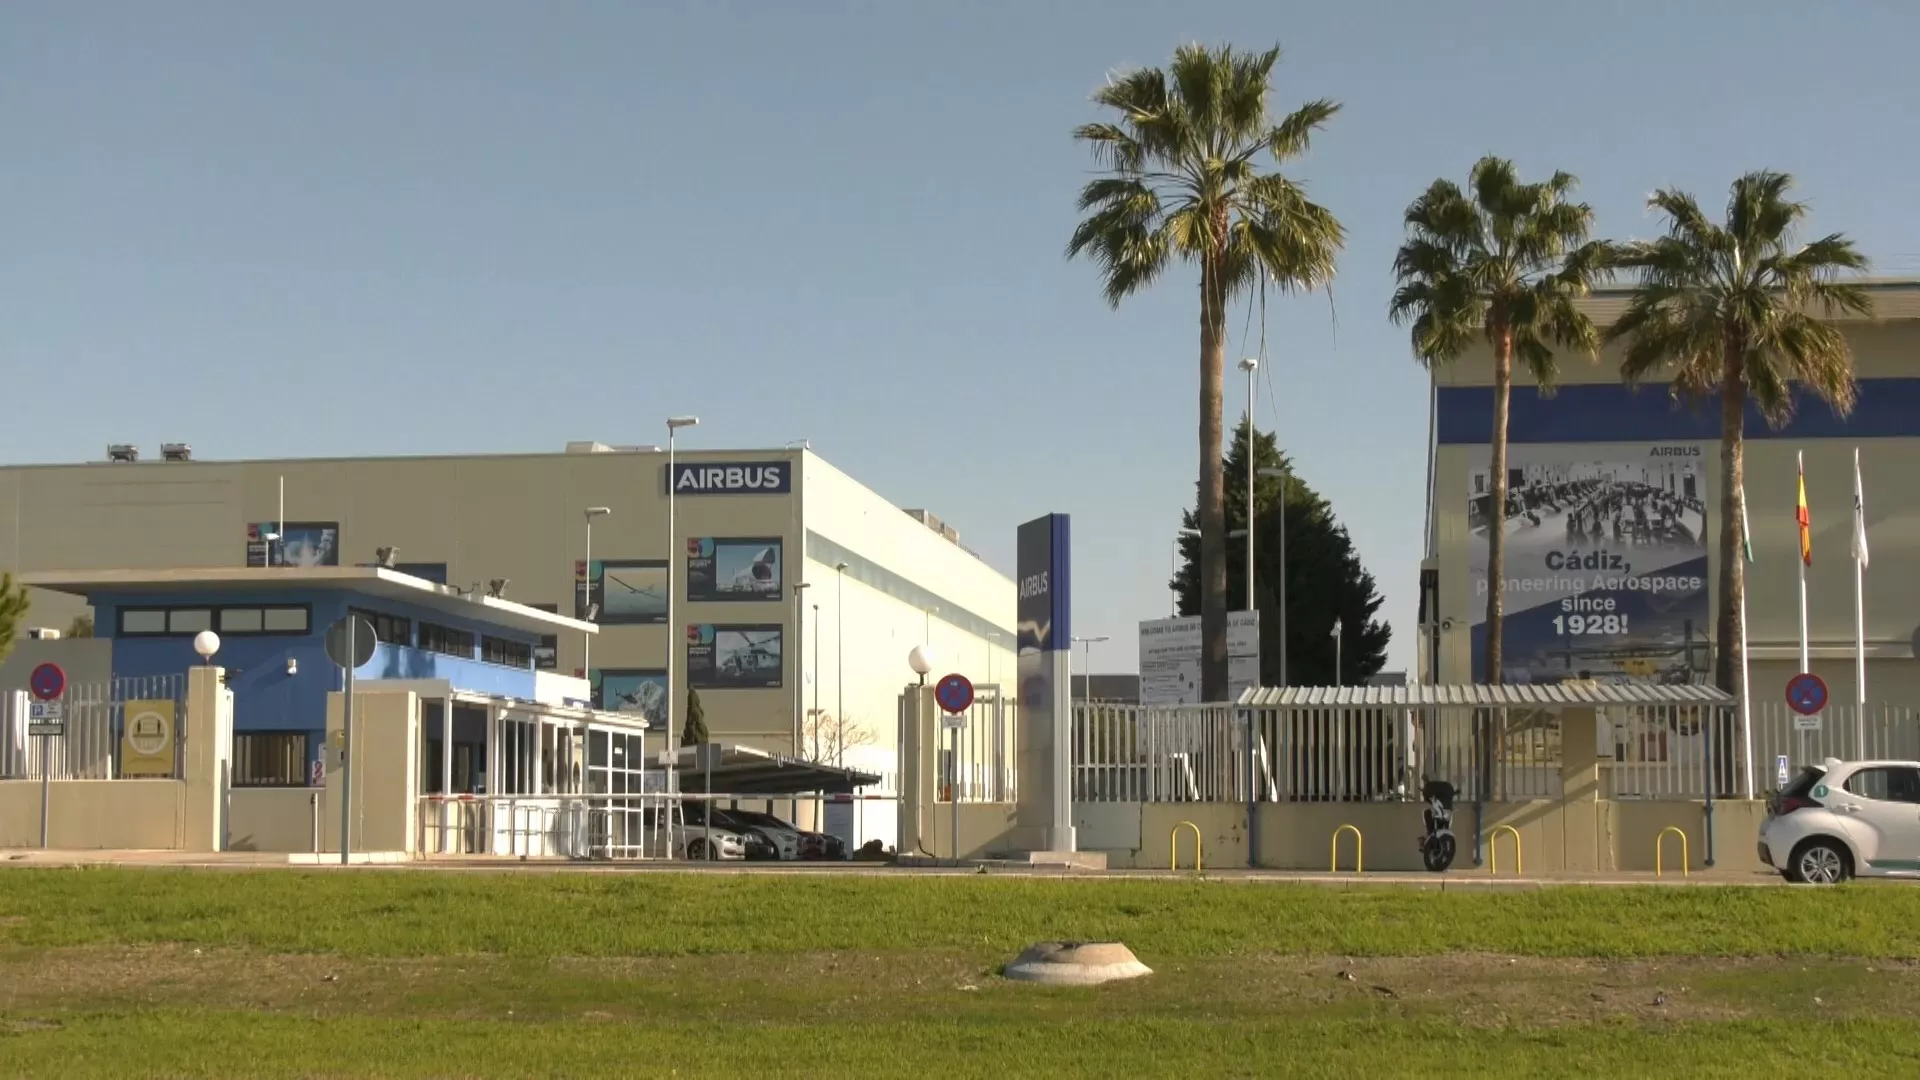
x,y
1437,853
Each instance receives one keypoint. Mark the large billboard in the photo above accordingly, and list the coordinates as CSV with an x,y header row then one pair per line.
x,y
723,568
632,690
620,592
1606,563
298,543
1170,658
734,657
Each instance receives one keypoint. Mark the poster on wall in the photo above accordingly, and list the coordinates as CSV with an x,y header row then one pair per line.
x,y
1170,658
632,690
620,592
299,544
724,568
1606,564
734,657
546,655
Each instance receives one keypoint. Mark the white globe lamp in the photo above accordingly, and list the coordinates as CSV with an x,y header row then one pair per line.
x,y
920,659
206,643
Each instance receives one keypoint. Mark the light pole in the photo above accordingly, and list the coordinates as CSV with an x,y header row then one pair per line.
x,y
676,636
1249,365
1281,475
839,654
816,667
1339,677
799,688
586,638
1086,679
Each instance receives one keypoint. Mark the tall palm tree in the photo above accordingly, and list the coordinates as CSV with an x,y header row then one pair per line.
x,y
1739,310
1504,262
1181,179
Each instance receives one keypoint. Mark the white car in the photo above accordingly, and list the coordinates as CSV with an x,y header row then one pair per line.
x,y
1839,819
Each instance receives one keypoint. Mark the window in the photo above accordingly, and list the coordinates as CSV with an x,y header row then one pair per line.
x,y
1886,784
270,759
189,620
501,651
142,621
446,640
390,629
284,620
240,620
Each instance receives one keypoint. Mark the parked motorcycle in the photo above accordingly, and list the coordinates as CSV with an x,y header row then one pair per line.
x,y
1437,846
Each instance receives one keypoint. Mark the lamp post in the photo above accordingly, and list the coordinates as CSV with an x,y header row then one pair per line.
x,y
816,666
586,648
839,654
1086,679
799,688
1249,365
676,636
1281,475
1339,676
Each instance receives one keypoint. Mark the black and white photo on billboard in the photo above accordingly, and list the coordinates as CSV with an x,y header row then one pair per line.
x,y
734,656
631,690
733,568
620,592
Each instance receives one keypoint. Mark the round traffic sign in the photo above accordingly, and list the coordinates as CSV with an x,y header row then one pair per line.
x,y
48,681
954,693
1806,693
349,641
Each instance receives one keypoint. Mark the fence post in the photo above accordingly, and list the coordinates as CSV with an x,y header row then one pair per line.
x,y
1253,797
313,811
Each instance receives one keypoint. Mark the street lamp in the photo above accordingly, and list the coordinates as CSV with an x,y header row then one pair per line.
x,y
586,650
839,639
1086,690
1249,365
1339,678
1281,475
920,659
676,636
799,689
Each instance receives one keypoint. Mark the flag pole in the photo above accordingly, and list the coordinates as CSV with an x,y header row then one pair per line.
x,y
1805,663
1746,683
1860,602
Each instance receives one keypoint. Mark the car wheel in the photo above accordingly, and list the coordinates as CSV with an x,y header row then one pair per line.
x,y
702,850
1820,862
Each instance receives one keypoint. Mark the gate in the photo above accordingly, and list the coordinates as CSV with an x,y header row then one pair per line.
x,y
978,758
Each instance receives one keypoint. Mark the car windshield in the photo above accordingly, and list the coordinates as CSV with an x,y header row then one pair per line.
x,y
1803,785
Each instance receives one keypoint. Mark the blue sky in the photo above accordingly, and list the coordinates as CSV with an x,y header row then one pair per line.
x,y
355,227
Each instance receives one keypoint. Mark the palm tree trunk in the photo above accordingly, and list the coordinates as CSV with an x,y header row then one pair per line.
x,y
1497,505
1213,525
1733,570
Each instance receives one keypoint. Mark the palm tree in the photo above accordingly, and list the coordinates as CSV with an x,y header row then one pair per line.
x,y
1181,179
1737,310
1504,262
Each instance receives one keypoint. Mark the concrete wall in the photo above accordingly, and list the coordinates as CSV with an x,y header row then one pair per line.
x,y
94,814
385,760
273,819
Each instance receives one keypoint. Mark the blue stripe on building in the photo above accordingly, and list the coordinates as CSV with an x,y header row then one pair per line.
x,y
1610,412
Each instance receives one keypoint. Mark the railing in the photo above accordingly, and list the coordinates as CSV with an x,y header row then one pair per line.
x,y
90,746
550,826
977,761
1651,754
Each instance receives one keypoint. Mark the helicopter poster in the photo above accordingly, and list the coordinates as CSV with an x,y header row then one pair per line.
x,y
632,690
734,657
723,568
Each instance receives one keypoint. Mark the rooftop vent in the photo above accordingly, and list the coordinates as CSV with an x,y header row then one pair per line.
x,y
931,521
176,451
123,453
589,447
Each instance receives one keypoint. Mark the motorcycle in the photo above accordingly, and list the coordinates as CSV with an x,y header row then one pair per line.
x,y
1437,846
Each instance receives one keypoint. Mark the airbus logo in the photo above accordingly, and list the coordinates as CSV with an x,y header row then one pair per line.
x,y
1674,451
733,478
1034,585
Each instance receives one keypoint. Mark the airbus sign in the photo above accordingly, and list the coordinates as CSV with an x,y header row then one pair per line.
x,y
733,478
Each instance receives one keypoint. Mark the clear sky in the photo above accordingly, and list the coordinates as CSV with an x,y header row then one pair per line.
x,y
439,226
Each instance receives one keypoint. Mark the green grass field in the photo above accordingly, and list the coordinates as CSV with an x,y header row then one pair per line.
x,y
283,973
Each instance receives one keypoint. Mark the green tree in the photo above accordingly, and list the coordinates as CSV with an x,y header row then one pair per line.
x,y
14,603
1738,311
1501,262
694,732
1325,579
80,627
1182,180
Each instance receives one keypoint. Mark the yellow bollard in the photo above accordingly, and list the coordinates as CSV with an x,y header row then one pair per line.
x,y
1359,850
1493,849
1659,851
1173,846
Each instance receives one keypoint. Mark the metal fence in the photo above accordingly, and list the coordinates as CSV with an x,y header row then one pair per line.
x,y
93,744
977,758
1662,757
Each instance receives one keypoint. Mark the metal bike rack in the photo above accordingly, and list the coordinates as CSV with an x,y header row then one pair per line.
x,y
1359,850
1173,846
1659,851
1493,849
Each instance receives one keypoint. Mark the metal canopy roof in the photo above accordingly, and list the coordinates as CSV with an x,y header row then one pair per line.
x,y
743,770
1506,695
366,580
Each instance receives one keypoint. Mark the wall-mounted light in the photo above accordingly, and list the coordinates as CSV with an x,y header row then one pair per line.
x,y
293,665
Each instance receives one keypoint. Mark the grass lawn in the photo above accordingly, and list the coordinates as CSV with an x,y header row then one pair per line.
x,y
286,973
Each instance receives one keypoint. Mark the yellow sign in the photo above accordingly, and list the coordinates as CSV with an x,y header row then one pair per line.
x,y
146,743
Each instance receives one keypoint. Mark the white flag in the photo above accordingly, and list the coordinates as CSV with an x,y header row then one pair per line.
x,y
1859,513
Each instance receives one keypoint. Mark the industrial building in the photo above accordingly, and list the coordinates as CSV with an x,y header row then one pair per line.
x,y
797,593
1614,516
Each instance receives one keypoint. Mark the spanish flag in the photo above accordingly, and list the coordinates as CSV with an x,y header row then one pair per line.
x,y
1806,522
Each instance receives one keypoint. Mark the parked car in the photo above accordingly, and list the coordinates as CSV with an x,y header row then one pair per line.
x,y
808,845
695,839
761,842
1842,819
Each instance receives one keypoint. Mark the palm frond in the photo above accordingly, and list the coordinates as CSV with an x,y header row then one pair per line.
x,y
1292,136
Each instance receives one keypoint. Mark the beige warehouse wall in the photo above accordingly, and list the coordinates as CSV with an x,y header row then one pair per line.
x,y
274,819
